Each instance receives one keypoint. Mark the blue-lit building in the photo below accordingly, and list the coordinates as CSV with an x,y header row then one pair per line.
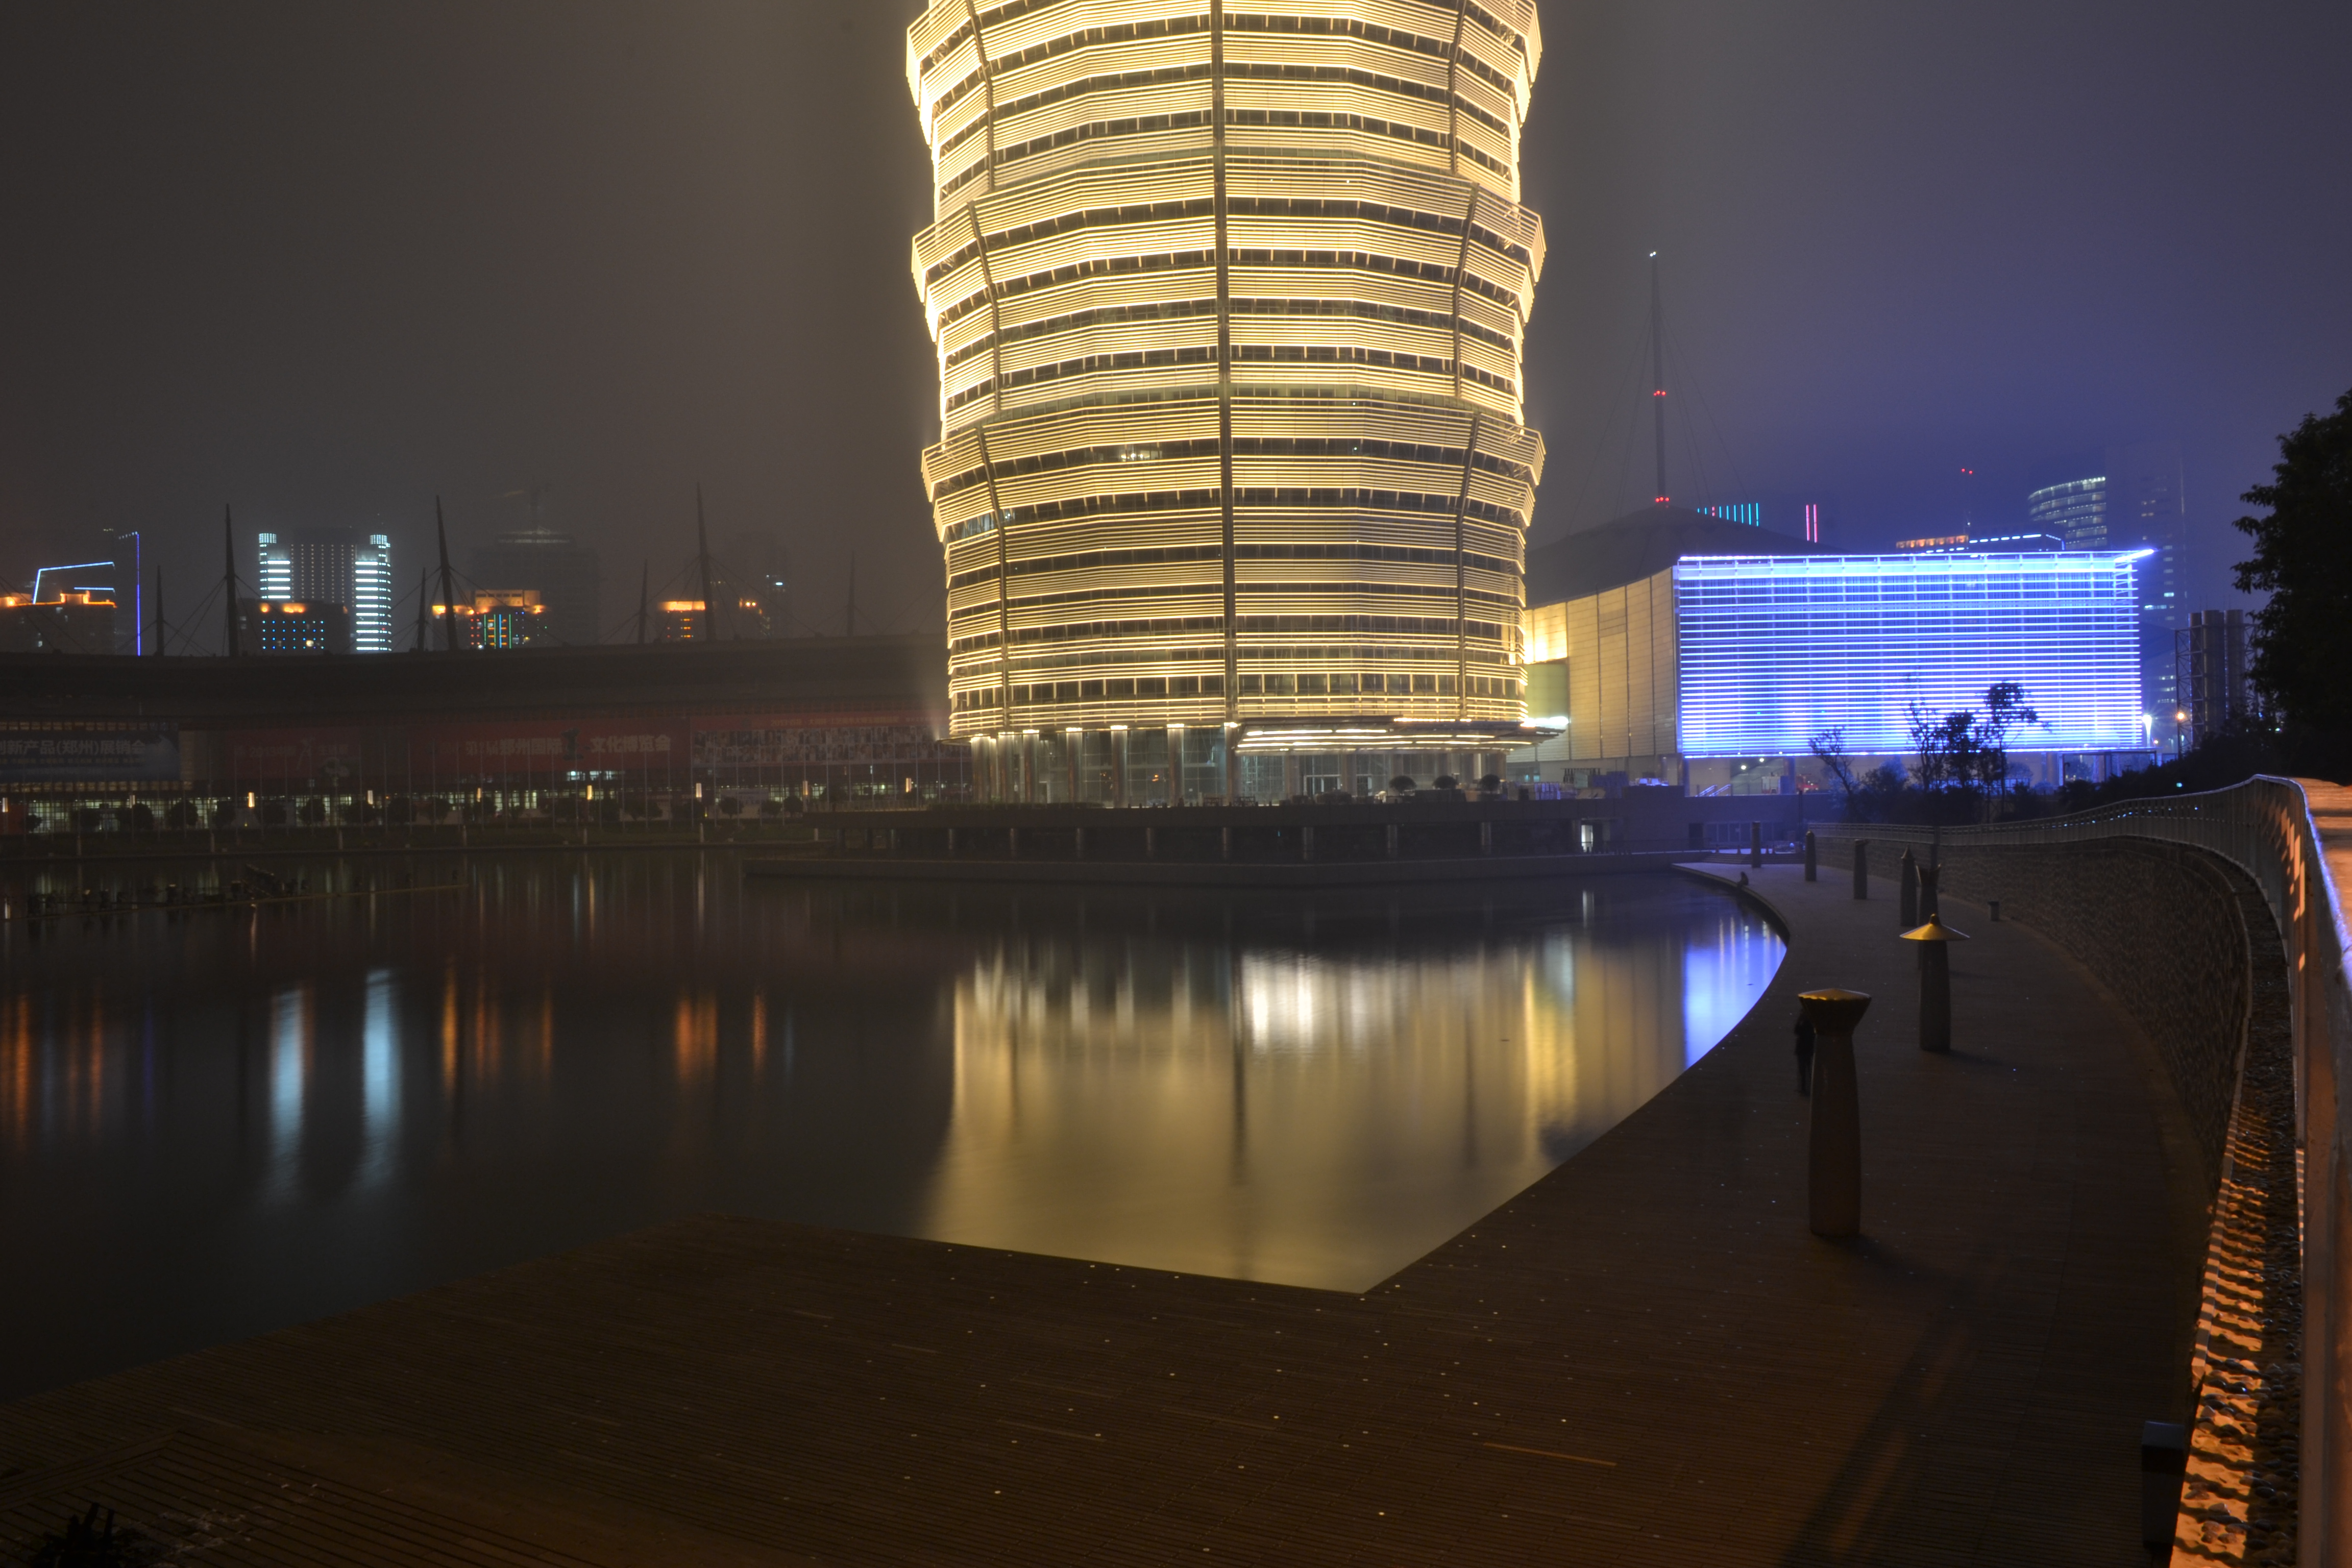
x,y
1716,669
1772,652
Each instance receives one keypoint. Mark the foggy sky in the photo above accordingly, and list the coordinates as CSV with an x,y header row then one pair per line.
x,y
325,262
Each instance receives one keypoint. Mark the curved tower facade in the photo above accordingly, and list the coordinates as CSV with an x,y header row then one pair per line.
x,y
1229,298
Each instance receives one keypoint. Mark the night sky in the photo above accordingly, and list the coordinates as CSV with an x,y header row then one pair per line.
x,y
326,261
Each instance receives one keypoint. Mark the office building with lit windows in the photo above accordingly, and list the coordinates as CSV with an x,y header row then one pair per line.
x,y
2133,499
498,618
339,566
1232,487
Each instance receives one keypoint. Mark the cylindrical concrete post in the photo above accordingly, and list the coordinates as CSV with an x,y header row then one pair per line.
x,y
1393,841
950,843
1306,841
1485,838
1862,867
1907,878
1812,857
1833,1153
1013,843
1151,844
1935,998
1081,850
1224,843
1755,844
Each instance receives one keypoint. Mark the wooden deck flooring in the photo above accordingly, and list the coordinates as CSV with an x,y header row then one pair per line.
x,y
1644,1358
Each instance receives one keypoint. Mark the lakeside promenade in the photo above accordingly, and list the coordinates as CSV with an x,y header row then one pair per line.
x,y
1645,1357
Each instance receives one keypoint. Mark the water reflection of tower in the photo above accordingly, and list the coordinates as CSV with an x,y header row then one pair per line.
x,y
1285,1109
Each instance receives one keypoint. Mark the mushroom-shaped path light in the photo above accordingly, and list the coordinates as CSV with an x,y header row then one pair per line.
x,y
1936,941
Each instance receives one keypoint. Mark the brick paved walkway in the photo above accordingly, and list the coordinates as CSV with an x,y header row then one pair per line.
x,y
1644,1358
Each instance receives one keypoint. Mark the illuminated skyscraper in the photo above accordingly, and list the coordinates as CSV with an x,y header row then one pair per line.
x,y
1229,308
333,566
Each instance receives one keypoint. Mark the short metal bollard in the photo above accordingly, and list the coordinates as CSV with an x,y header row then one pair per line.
x,y
1906,876
1935,939
1994,905
1755,844
1931,878
1834,1151
1862,867
1812,857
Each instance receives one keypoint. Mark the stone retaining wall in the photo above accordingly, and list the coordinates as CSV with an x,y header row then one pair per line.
x,y
2158,924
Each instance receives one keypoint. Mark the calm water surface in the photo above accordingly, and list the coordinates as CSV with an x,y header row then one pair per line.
x,y
220,1123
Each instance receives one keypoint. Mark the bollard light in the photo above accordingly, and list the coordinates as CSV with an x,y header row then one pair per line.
x,y
1935,939
1812,857
1834,1151
1907,878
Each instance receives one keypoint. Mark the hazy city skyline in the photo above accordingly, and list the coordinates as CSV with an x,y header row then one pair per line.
x,y
327,265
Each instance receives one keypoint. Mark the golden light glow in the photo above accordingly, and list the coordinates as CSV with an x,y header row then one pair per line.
x,y
1228,309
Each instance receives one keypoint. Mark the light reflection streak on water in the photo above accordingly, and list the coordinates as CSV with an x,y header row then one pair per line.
x,y
380,1080
1722,973
289,1053
1211,1111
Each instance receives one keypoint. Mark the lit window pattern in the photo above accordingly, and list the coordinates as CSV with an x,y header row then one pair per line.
x,y
2077,513
1774,651
1229,304
372,595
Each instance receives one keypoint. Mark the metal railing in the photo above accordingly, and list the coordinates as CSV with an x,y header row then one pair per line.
x,y
2269,828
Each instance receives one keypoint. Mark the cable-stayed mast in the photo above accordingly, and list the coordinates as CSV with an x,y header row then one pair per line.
x,y
1658,373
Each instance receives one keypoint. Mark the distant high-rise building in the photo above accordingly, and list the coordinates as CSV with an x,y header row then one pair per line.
x,y
2133,499
499,619
561,571
684,620
2210,652
340,566
750,579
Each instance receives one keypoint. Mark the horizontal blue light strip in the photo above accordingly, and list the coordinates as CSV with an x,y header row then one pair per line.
x,y
1775,650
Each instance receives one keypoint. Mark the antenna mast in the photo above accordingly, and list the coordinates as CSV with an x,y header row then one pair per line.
x,y
1658,372
702,548
448,588
228,575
